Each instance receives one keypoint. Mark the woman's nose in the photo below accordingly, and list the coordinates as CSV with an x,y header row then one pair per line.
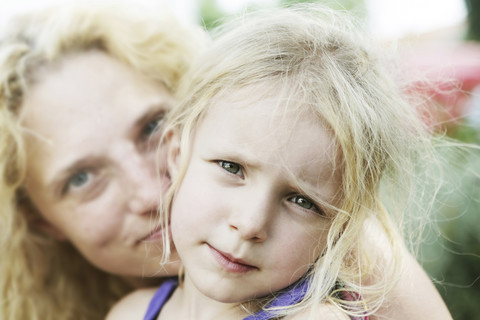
x,y
144,184
146,193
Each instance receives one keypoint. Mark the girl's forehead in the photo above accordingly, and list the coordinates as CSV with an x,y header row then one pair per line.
x,y
271,130
279,107
273,99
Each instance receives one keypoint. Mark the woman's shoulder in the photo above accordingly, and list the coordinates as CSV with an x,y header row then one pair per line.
x,y
132,306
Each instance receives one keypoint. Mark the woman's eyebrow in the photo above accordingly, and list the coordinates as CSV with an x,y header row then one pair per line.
x,y
154,109
61,176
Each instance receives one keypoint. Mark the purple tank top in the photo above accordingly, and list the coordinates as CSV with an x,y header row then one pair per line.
x,y
291,295
160,297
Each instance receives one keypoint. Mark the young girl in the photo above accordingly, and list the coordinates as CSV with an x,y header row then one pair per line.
x,y
289,127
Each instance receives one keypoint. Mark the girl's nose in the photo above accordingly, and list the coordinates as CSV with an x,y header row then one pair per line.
x,y
252,218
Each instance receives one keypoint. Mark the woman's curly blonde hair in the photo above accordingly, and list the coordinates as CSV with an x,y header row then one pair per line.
x,y
41,278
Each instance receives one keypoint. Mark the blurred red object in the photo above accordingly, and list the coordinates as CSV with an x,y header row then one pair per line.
x,y
451,80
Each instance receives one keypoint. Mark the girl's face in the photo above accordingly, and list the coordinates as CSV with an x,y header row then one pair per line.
x,y
91,129
241,221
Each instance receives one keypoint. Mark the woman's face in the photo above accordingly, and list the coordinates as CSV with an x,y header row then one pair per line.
x,y
91,127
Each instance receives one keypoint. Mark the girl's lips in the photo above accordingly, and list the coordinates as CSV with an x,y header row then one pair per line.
x,y
230,263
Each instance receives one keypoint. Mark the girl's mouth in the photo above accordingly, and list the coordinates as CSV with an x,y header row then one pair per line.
x,y
231,263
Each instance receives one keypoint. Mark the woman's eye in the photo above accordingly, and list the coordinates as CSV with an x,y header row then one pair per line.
x,y
232,167
151,127
304,203
78,180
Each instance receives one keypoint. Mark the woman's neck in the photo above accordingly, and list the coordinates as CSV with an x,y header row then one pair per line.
x,y
139,282
189,303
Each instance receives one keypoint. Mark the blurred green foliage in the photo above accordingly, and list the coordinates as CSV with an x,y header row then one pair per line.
x,y
212,15
354,6
451,254
473,9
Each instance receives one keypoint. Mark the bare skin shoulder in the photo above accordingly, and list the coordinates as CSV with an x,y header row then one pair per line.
x,y
327,312
132,306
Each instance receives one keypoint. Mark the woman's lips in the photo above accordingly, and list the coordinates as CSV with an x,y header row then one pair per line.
x,y
155,235
230,263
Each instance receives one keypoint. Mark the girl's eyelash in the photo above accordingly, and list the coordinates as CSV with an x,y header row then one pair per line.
x,y
299,200
231,167
306,203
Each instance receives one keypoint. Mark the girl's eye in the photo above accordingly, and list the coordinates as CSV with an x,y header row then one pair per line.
x,y
232,167
304,203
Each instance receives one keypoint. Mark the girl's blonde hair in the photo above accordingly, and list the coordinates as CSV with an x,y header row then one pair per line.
x,y
319,55
41,278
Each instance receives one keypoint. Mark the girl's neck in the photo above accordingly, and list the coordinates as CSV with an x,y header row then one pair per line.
x,y
189,303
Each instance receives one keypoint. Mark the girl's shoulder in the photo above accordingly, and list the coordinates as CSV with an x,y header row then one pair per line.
x,y
132,306
328,312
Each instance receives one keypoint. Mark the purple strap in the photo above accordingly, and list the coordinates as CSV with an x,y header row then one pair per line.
x,y
292,295
159,298
289,296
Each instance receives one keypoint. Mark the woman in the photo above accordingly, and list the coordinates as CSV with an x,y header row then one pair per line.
x,y
83,93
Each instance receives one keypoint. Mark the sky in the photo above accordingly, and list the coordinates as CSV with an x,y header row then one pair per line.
x,y
396,18
386,18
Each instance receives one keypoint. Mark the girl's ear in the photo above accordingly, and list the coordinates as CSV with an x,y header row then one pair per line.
x,y
173,153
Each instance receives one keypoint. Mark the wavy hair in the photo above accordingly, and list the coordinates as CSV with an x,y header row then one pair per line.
x,y
324,61
41,278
